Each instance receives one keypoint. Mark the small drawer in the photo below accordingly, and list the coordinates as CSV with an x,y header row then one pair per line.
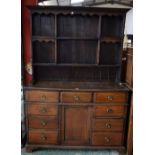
x,y
42,109
76,97
101,124
42,96
118,97
107,139
43,122
110,110
43,137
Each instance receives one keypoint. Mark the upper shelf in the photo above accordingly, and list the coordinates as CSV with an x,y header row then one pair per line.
x,y
43,38
53,39
75,65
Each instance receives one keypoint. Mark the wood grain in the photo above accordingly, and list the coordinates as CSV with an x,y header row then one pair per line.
x,y
119,97
43,96
110,111
42,109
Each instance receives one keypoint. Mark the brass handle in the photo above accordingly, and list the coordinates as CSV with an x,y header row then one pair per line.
x,y
44,137
110,98
109,110
43,110
76,98
108,125
107,139
43,123
43,97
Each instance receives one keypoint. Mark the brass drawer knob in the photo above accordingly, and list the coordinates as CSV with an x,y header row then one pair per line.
x,y
43,110
107,139
110,98
43,123
76,98
109,110
43,97
108,125
43,137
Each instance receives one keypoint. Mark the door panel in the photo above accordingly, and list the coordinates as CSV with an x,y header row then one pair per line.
x,y
76,125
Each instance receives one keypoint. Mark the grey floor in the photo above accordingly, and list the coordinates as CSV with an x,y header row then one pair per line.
x,y
70,152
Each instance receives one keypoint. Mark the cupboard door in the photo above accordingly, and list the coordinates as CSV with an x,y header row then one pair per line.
x,y
76,125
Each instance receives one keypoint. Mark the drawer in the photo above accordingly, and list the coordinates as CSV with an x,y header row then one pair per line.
x,y
42,137
101,124
43,122
42,109
42,96
107,138
79,97
110,110
119,97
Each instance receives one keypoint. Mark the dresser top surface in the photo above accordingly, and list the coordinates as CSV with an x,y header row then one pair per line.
x,y
79,86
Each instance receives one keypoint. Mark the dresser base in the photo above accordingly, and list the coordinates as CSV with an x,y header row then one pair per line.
x,y
31,147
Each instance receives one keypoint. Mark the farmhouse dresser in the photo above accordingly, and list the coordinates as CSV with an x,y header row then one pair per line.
x,y
76,98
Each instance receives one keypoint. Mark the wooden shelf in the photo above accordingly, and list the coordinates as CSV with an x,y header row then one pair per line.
x,y
77,38
43,38
75,65
81,85
110,40
53,39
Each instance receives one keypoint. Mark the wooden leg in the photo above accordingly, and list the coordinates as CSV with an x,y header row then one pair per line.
x,y
122,151
29,149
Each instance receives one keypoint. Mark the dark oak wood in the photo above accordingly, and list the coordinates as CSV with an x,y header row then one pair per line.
x,y
129,67
107,139
29,149
77,99
42,109
110,110
42,137
120,97
79,86
43,96
108,124
82,147
43,122
76,125
127,76
59,30
130,129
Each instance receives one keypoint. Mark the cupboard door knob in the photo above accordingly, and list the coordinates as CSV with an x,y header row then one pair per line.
x,y
43,97
109,110
76,98
43,123
44,137
108,125
107,139
43,110
110,98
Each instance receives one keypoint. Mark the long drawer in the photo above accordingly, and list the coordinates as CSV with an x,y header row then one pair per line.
x,y
118,97
79,97
42,137
43,122
110,110
107,138
42,109
42,96
104,124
